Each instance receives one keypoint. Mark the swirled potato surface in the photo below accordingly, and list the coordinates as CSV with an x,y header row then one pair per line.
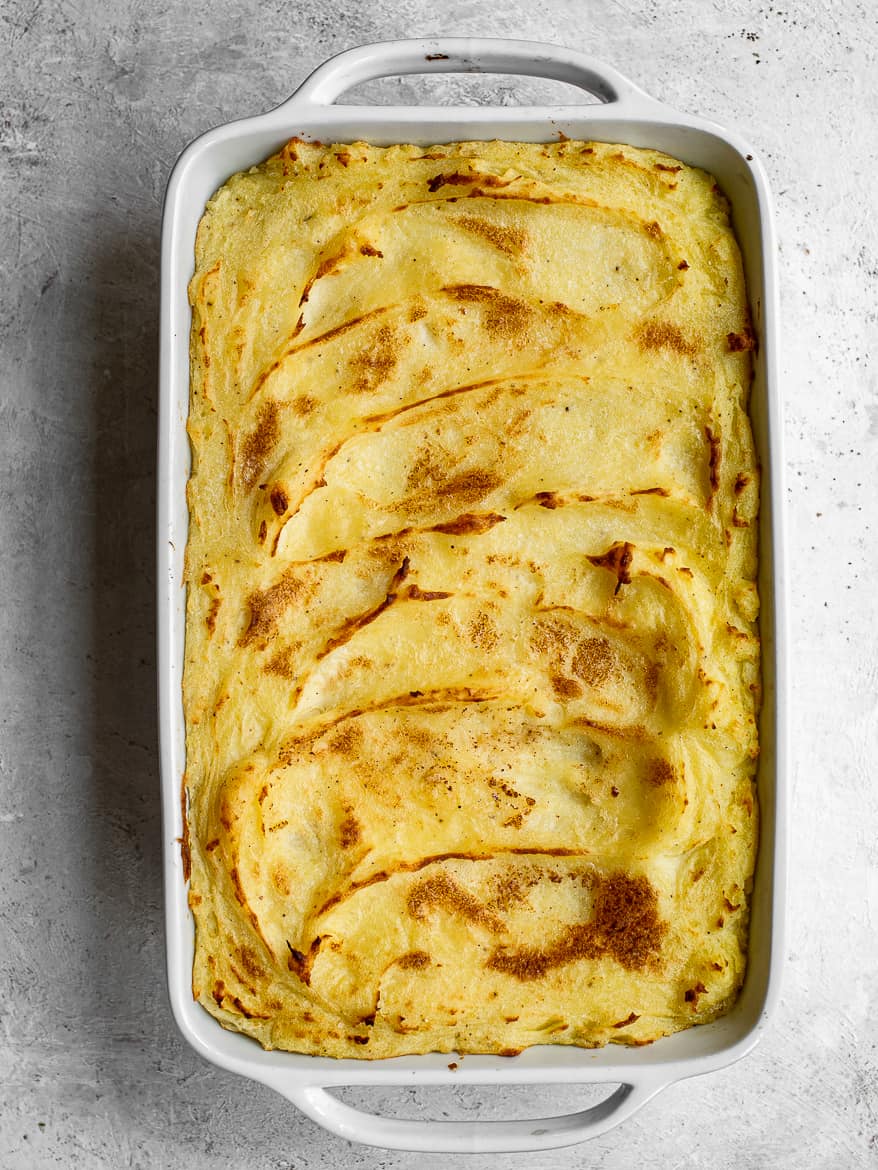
x,y
472,666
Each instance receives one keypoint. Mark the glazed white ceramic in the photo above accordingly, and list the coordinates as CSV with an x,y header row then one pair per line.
x,y
625,114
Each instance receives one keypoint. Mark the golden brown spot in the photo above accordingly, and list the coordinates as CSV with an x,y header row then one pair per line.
x,y
651,680
743,341
736,633
565,688
347,740
667,167
212,844
258,446
618,560
454,179
741,482
506,789
489,181
550,500
628,1020
713,459
281,880
469,524
282,663
304,404
280,501
300,964
682,266
665,335
423,737
263,532
428,478
377,360
693,994
413,960
469,486
236,883
624,926
416,594
511,888
594,661
250,963
349,830
443,892
503,316
210,619
510,240
268,605
483,632
391,545
422,862
661,771
552,637
653,229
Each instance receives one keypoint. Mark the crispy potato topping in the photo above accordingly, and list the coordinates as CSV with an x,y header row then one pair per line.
x,y
472,667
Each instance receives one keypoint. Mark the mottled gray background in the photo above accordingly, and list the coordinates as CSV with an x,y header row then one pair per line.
x,y
97,101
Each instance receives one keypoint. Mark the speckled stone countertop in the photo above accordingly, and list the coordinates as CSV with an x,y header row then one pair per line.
x,y
97,101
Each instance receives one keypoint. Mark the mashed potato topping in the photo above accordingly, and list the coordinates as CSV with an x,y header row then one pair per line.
x,y
472,669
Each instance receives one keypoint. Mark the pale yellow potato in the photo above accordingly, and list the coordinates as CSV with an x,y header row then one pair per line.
x,y
472,669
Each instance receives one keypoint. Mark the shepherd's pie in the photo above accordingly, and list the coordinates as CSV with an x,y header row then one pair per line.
x,y
472,668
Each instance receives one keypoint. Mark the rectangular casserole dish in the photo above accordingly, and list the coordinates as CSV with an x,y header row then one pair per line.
x,y
625,115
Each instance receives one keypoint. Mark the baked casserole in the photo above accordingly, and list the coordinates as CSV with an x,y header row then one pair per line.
x,y
472,668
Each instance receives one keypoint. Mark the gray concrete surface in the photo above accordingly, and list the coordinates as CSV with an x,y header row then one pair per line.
x,y
97,101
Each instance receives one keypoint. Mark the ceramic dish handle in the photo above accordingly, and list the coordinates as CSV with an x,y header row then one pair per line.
x,y
465,55
470,1137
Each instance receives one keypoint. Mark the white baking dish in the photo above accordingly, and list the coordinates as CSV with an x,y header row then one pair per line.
x,y
626,115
